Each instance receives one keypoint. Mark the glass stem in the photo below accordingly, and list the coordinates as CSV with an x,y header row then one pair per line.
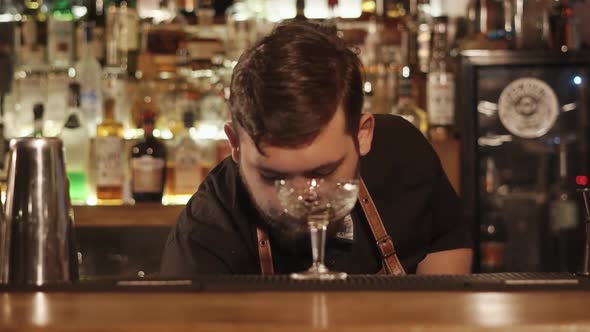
x,y
317,227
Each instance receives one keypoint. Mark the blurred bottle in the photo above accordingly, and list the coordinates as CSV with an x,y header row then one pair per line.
x,y
420,13
407,108
440,87
563,212
564,29
23,79
89,75
9,45
493,231
440,92
241,29
531,24
122,43
38,111
381,57
76,148
96,16
491,24
148,160
415,50
109,156
10,19
34,34
60,35
184,172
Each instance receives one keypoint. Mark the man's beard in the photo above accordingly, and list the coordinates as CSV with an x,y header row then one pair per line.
x,y
290,235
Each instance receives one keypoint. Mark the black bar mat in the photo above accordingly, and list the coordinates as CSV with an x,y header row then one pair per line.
x,y
249,283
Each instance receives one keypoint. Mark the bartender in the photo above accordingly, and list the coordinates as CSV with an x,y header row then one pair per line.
x,y
296,108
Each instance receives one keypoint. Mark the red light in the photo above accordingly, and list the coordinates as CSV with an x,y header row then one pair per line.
x,y
582,180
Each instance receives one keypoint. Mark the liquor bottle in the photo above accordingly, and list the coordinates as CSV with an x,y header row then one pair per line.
x,y
96,16
148,160
76,148
60,35
407,108
564,36
440,86
563,211
440,93
109,156
38,111
122,44
414,51
9,39
89,75
493,233
206,12
34,33
419,10
184,172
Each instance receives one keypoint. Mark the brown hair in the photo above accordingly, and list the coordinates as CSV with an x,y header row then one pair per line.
x,y
288,86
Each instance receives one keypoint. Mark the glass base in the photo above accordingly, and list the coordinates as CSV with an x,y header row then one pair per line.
x,y
319,272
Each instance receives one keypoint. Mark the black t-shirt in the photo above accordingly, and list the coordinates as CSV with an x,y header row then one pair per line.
x,y
216,232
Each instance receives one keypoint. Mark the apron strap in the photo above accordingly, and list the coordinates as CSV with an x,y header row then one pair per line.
x,y
391,263
264,252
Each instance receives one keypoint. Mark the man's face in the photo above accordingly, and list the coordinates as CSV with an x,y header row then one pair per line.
x,y
332,155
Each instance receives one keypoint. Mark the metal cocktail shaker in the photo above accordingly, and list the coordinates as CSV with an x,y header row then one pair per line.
x,y
37,243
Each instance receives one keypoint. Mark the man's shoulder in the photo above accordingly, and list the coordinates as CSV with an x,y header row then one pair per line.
x,y
398,149
211,222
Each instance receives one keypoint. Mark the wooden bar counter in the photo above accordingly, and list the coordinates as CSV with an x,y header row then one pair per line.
x,y
295,311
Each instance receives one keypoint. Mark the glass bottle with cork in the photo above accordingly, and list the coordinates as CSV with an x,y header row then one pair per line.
x,y
76,148
109,156
89,75
148,160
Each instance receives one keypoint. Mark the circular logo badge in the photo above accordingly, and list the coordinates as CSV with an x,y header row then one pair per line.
x,y
528,107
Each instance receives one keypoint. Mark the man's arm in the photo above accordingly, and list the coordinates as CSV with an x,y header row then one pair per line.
x,y
451,247
455,261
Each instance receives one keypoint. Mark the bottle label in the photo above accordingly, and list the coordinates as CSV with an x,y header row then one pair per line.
x,y
61,34
441,99
148,175
563,214
188,173
109,161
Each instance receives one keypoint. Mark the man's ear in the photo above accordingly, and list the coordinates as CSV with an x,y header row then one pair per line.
x,y
234,142
365,134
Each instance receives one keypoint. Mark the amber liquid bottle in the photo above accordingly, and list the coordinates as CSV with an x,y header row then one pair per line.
x,y
148,160
109,154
